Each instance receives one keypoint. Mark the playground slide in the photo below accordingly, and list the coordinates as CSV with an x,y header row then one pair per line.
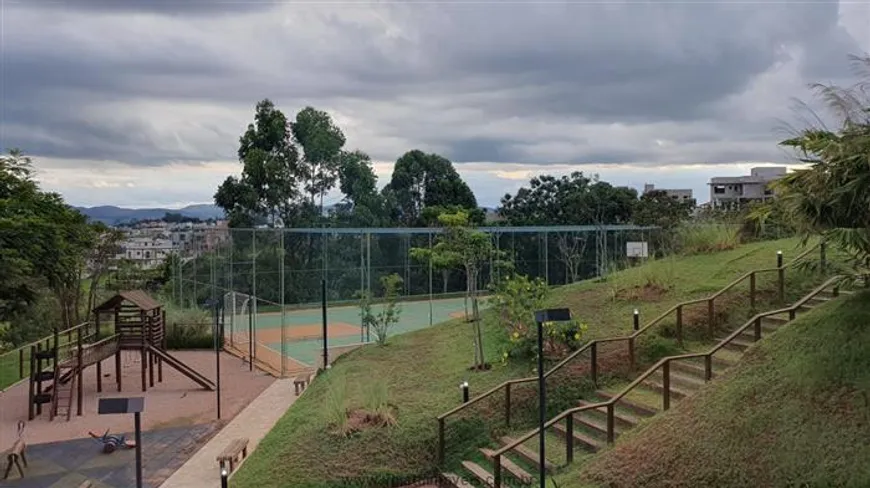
x,y
182,368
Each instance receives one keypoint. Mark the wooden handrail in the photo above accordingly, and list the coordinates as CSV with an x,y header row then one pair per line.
x,y
589,345
611,402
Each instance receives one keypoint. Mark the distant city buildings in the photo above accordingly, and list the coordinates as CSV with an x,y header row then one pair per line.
x,y
683,195
148,244
728,191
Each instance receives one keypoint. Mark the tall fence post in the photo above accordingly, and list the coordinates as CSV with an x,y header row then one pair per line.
x,y
20,363
569,438
680,324
757,326
631,359
441,441
611,407
79,371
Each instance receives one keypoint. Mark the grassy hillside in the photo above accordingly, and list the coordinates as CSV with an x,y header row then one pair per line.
x,y
796,412
420,372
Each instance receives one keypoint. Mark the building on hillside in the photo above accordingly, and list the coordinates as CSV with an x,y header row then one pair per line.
x,y
683,195
735,190
147,252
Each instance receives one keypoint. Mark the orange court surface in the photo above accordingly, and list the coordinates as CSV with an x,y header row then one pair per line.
x,y
272,335
176,402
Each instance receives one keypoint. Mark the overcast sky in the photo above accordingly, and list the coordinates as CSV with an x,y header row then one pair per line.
x,y
137,103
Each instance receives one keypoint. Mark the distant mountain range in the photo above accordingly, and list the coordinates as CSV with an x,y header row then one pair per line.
x,y
112,215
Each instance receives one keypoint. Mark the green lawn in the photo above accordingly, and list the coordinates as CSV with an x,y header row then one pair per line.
x,y
795,412
422,371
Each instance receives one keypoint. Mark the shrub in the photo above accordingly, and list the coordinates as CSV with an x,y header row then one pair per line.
x,y
651,348
382,321
707,237
516,299
189,336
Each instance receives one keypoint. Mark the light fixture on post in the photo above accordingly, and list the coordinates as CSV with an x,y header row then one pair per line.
x,y
542,316
464,387
779,259
636,319
224,475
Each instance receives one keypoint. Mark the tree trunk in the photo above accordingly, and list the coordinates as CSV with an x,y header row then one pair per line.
x,y
445,274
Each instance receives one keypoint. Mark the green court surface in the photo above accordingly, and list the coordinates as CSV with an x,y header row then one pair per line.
x,y
306,325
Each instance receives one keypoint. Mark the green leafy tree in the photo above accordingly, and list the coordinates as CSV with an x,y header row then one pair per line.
x,y
423,180
462,246
831,198
321,142
362,205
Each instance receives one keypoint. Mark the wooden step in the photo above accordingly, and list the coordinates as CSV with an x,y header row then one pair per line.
x,y
691,368
657,386
598,424
581,439
620,417
528,455
679,379
455,481
511,467
636,408
736,344
479,472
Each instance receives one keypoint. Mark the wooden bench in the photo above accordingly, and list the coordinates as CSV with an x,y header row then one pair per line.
x,y
16,454
301,381
236,448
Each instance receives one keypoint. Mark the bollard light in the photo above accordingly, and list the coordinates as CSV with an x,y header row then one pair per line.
x,y
636,319
779,259
223,477
464,387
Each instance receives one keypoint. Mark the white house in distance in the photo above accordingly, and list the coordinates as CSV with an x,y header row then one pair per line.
x,y
683,195
146,251
730,190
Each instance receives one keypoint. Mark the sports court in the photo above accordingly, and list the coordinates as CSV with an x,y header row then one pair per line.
x,y
302,334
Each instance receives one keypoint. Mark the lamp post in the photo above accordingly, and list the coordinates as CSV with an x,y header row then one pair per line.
x,y
464,387
541,316
224,474
779,259
636,319
109,406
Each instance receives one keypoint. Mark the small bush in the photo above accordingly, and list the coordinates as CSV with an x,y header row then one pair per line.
x,y
651,348
189,336
707,238
336,406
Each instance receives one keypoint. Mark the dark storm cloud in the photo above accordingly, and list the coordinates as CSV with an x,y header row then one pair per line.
x,y
161,7
628,64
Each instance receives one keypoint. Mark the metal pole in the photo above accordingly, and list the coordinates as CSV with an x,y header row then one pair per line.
x,y
368,276
283,312
224,477
250,336
542,405
323,308
430,278
254,293
464,388
137,421
636,319
362,283
217,358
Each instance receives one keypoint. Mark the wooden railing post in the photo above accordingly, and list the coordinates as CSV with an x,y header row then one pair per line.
x,y
666,385
822,256
680,324
781,273
496,471
611,407
836,290
708,367
631,363
752,290
440,441
507,404
711,317
757,325
569,439
594,361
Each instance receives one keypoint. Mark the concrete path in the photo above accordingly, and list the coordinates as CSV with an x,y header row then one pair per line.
x,y
253,422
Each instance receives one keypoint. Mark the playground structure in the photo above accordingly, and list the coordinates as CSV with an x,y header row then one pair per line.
x,y
139,326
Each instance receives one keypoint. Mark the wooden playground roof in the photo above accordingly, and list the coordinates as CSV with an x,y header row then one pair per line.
x,y
136,297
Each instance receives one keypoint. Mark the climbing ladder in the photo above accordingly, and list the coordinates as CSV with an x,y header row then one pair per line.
x,y
63,391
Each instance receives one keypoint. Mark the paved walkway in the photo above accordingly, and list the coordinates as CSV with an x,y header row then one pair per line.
x,y
253,422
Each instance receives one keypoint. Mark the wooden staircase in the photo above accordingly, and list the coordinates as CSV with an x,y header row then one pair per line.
x,y
520,465
62,391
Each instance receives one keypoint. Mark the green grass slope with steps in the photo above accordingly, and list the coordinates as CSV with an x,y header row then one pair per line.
x,y
421,372
794,412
